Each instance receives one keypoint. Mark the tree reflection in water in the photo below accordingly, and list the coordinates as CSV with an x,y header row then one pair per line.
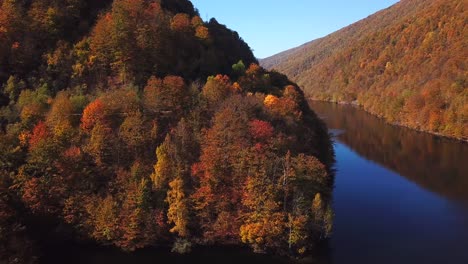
x,y
434,163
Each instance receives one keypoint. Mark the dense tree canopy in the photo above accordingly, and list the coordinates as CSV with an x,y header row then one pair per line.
x,y
134,123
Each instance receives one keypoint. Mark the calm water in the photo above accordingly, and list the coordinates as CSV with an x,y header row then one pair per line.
x,y
400,197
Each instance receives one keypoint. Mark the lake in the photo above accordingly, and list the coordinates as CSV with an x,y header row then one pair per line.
x,y
400,196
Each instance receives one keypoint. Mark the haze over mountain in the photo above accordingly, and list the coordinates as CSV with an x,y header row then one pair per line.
x,y
406,63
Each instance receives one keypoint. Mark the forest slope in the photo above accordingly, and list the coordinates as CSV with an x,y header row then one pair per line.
x,y
134,123
406,63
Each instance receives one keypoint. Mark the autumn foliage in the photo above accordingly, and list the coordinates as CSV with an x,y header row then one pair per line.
x,y
40,133
406,64
146,129
261,130
93,114
182,166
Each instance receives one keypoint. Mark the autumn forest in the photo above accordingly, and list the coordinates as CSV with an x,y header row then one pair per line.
x,y
135,124
405,64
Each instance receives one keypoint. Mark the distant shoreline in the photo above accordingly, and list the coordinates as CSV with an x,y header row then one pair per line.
x,y
356,105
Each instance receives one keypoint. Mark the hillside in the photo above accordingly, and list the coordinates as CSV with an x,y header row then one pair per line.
x,y
134,124
406,64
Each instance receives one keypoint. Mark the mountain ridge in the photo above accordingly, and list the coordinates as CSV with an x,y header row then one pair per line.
x,y
404,63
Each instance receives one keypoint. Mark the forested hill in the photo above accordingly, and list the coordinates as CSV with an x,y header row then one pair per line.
x,y
406,63
75,42
134,123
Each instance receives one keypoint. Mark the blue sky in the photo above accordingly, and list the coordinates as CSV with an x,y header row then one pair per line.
x,y
272,26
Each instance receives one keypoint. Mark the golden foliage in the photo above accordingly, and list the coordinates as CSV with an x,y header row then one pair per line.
x,y
178,211
406,64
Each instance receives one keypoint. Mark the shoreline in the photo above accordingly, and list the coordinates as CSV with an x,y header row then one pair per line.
x,y
356,105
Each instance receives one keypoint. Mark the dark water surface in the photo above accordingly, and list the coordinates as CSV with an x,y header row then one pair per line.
x,y
98,255
400,197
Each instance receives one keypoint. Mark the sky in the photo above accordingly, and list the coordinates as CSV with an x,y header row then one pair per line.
x,y
272,26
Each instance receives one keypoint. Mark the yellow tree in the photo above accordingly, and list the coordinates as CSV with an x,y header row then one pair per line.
x,y
178,211
163,169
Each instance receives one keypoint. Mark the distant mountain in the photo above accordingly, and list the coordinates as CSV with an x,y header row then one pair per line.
x,y
406,63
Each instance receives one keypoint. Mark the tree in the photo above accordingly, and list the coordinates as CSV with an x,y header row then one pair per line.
x,y
136,225
217,89
261,130
202,32
175,156
163,170
196,22
103,219
238,69
33,104
180,22
298,233
178,211
166,98
13,88
100,144
93,114
132,131
318,208
39,134
60,116
283,108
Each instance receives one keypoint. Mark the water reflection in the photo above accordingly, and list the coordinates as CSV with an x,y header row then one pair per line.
x,y
400,196
436,164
